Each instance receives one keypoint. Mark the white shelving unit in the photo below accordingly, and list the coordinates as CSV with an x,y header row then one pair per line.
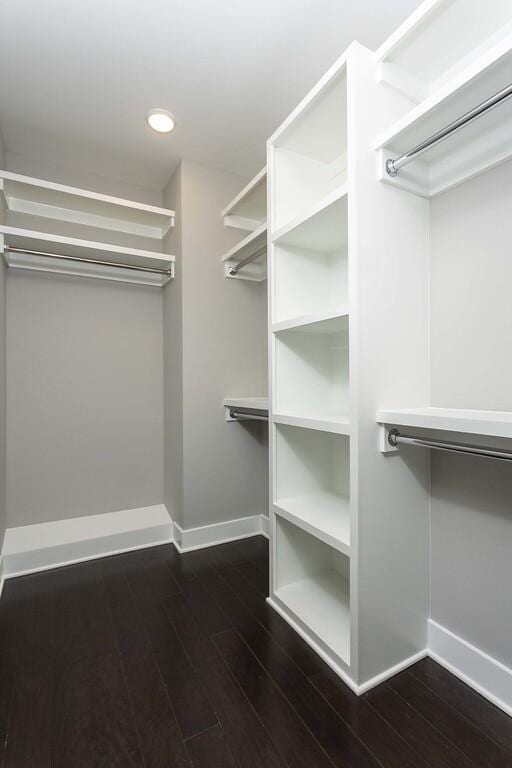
x,y
248,211
31,203
346,552
472,62
48,200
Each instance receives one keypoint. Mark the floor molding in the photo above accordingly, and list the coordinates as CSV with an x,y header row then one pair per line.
x,y
40,547
482,672
190,539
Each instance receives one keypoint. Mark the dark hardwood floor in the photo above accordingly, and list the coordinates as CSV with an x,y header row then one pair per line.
x,y
163,660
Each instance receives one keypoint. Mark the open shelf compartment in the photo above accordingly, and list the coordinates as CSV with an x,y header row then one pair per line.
x,y
310,264
312,582
309,156
312,483
311,371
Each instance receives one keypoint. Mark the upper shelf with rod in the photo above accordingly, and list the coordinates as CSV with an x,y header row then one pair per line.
x,y
444,95
44,252
46,199
248,211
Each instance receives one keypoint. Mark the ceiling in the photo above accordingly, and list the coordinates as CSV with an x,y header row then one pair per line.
x,y
78,76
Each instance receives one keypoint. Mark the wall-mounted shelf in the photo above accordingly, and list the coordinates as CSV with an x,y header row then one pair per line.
x,y
46,199
485,423
138,263
440,95
248,210
321,226
247,260
253,244
257,405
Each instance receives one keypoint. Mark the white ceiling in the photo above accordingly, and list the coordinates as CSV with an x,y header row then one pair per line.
x,y
77,76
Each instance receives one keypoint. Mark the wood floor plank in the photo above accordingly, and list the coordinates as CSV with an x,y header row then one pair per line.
x,y
30,728
451,723
277,627
423,737
189,701
344,749
382,740
210,749
92,718
296,745
159,735
246,736
495,723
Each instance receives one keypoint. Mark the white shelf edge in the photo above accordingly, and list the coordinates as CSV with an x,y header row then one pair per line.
x,y
313,530
38,208
321,205
472,422
315,317
254,403
336,427
409,26
245,192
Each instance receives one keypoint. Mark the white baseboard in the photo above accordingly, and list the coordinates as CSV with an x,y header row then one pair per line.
x,y
42,546
391,672
189,539
482,672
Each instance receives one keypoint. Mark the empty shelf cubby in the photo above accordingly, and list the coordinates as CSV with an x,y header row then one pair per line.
x,y
312,581
312,482
311,371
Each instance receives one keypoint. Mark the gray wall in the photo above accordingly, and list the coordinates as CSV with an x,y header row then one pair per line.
x,y
471,327
84,403
173,360
3,374
224,326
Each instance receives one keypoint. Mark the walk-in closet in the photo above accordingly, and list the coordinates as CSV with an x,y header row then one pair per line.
x,y
255,391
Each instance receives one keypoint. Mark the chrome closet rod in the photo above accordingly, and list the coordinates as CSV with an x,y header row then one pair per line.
x,y
66,257
247,415
393,166
247,260
395,438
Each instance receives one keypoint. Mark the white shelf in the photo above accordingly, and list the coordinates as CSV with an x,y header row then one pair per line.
x,y
486,423
324,515
70,246
308,322
323,422
46,199
248,210
254,403
320,227
256,270
472,150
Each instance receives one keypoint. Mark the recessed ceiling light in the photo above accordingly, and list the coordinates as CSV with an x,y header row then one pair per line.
x,y
160,120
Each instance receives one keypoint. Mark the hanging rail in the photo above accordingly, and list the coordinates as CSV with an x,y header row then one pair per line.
x,y
233,270
395,439
247,415
66,257
393,166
